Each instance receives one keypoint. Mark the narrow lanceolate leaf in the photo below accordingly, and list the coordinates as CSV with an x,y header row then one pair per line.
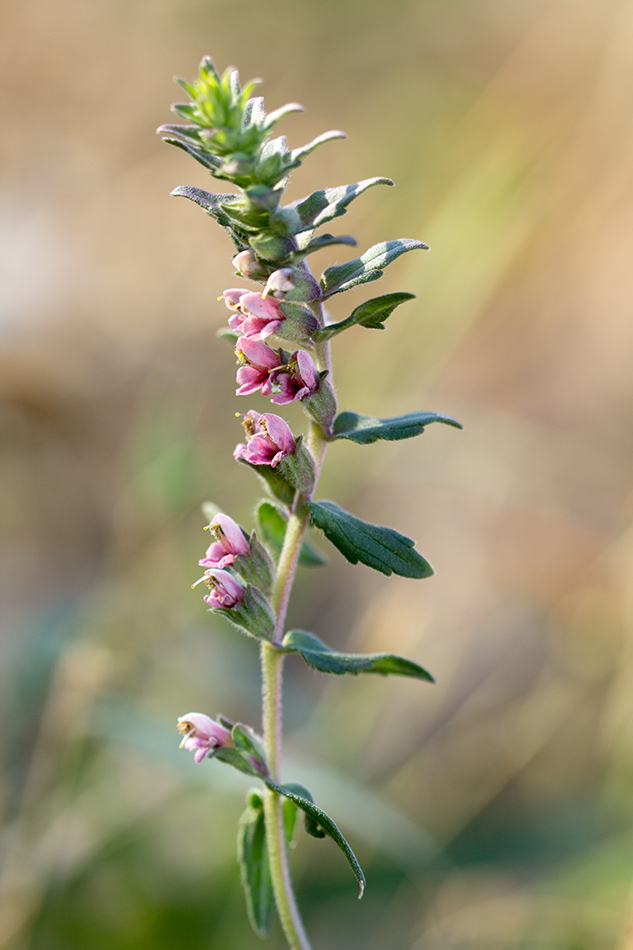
x,y
328,203
322,658
252,853
365,429
371,314
298,154
369,266
319,818
308,245
209,161
272,525
382,548
211,202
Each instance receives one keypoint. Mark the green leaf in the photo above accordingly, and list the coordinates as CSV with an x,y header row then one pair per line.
x,y
297,155
369,266
370,314
289,814
238,759
272,527
309,823
323,240
274,117
254,112
211,202
328,203
252,852
226,333
246,741
274,482
318,817
382,548
322,658
209,161
365,429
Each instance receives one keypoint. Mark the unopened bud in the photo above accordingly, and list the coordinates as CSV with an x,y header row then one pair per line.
x,y
247,265
291,283
279,283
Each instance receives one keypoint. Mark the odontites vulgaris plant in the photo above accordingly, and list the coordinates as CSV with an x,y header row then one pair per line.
x,y
280,333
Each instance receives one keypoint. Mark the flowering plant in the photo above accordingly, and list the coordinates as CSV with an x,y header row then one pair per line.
x,y
250,576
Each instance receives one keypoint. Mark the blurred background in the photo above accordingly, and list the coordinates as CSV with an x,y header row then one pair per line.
x,y
492,810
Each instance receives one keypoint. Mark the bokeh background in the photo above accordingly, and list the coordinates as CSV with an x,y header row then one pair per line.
x,y
493,810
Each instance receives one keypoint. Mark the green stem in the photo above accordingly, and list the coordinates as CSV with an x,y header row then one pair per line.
x,y
272,670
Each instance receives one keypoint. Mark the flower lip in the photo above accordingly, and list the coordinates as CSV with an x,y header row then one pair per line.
x,y
229,543
295,380
202,735
256,317
269,439
226,591
257,360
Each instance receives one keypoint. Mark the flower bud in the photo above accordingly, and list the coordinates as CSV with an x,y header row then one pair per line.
x,y
279,283
202,736
292,283
247,265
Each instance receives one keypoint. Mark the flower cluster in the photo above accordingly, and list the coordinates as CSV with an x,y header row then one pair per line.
x,y
249,577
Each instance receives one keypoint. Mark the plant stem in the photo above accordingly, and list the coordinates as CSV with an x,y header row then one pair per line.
x,y
272,664
272,671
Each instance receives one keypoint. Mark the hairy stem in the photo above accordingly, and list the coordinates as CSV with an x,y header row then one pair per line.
x,y
272,670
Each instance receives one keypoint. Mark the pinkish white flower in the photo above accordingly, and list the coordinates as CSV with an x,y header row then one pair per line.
x,y
296,380
229,543
201,735
279,283
247,265
257,361
269,439
225,590
255,316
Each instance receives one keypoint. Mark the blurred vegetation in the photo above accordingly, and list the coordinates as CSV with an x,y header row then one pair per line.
x,y
493,810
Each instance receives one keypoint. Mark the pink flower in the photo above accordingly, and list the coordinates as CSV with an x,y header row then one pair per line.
x,y
255,316
257,360
298,379
269,439
225,590
279,283
247,265
229,543
201,735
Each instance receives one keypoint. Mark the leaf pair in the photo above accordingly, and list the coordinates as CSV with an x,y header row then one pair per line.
x,y
252,853
253,849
